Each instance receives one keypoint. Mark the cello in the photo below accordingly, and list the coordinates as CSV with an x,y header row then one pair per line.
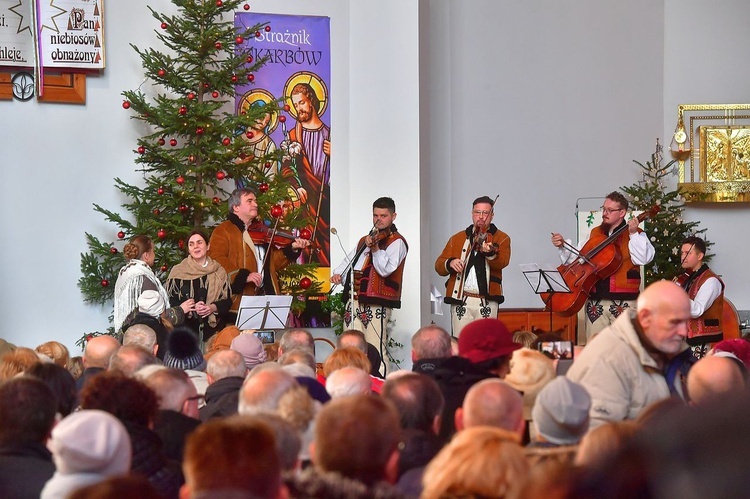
x,y
598,259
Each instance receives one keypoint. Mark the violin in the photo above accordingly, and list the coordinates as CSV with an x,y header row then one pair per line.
x,y
260,233
682,279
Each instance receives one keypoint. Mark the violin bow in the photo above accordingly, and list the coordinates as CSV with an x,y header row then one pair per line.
x,y
473,248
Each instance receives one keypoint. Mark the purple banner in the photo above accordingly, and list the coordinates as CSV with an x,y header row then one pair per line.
x,y
299,71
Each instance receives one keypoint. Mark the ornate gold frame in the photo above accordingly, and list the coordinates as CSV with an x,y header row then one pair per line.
x,y
719,179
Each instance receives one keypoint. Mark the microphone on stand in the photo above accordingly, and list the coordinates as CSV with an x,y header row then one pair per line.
x,y
336,233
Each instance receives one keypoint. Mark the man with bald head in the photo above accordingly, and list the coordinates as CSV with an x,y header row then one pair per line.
x,y
640,359
712,377
96,356
492,402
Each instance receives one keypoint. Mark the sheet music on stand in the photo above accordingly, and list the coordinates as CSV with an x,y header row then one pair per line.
x,y
544,278
263,312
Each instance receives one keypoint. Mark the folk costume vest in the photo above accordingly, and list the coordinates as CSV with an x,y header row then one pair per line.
x,y
708,324
625,283
370,287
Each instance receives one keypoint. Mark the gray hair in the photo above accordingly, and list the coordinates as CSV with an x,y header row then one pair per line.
x,y
235,199
141,335
348,381
226,364
297,339
431,342
262,391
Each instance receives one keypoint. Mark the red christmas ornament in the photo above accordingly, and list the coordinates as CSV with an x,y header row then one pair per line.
x,y
215,94
163,25
249,59
160,191
286,107
251,77
161,141
191,96
239,40
267,28
305,234
219,3
268,165
121,235
257,34
125,104
161,234
216,200
263,187
199,130
226,141
173,142
221,175
141,149
206,85
246,7
305,283
183,208
105,283
243,155
161,73
113,250
191,158
180,180
218,45
164,268
249,135
181,243
234,78
183,110
276,211
157,211
282,119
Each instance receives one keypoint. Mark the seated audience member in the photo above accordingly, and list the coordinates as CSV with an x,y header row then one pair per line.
x,y
288,441
6,347
262,390
356,338
713,376
143,336
355,451
419,404
734,348
62,384
131,358
272,351
75,367
225,372
16,362
232,457
27,414
184,353
492,402
478,462
136,406
134,486
640,359
56,351
301,364
485,348
560,418
149,313
530,371
251,349
351,357
525,338
300,410
429,346
222,340
96,355
178,409
296,339
88,447
348,381
603,442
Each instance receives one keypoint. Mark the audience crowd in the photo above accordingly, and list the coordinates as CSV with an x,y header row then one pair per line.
x,y
637,415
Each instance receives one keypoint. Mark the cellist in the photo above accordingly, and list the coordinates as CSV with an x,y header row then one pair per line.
x,y
611,296
473,260
706,292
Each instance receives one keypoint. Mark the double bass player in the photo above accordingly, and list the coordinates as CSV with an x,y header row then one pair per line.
x,y
614,294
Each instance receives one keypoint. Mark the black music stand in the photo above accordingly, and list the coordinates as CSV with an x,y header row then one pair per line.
x,y
545,279
263,312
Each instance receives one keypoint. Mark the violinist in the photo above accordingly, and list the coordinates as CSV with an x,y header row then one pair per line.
x,y
706,292
473,260
243,259
378,274
613,295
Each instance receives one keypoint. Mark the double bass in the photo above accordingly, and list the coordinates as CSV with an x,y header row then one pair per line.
x,y
598,259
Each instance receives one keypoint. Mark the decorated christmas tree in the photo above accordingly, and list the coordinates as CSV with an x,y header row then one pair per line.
x,y
196,148
667,229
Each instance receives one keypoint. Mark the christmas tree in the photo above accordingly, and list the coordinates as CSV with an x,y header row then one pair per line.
x,y
196,149
667,229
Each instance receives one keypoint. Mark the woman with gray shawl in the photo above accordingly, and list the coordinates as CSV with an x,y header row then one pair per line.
x,y
204,280
138,290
